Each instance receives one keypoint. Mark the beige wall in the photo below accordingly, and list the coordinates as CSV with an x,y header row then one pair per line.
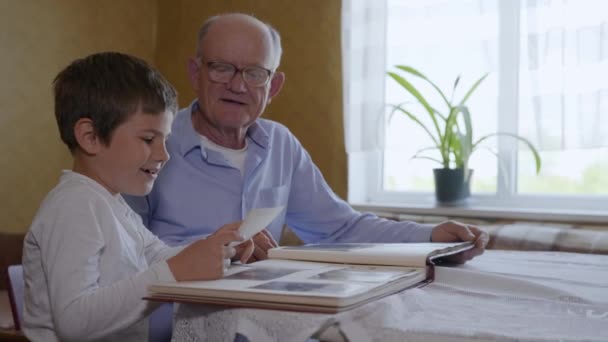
x,y
38,38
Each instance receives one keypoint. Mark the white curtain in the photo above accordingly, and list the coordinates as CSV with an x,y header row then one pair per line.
x,y
564,65
363,51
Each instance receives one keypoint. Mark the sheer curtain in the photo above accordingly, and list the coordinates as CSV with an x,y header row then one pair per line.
x,y
564,50
363,51
563,94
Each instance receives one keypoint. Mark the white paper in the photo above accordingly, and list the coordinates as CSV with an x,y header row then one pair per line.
x,y
255,221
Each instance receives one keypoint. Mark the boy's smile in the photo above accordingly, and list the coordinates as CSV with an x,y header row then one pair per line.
x,y
152,173
136,153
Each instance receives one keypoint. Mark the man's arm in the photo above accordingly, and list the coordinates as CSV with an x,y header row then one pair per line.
x,y
317,214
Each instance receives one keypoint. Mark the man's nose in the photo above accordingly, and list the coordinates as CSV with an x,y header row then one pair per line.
x,y
237,83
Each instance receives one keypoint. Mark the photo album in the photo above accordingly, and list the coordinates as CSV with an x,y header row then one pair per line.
x,y
325,278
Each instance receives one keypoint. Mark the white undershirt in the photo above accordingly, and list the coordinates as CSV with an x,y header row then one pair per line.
x,y
236,158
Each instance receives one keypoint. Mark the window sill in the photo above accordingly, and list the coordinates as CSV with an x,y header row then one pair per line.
x,y
486,212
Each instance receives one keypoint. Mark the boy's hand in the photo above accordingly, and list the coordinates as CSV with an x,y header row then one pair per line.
x,y
205,259
453,231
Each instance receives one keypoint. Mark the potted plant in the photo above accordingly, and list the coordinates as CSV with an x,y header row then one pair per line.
x,y
451,134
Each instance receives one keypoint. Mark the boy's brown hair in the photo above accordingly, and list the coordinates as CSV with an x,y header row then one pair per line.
x,y
108,88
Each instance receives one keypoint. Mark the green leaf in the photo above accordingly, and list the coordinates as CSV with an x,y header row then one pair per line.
x,y
456,148
454,88
456,82
414,92
428,158
466,137
393,111
450,146
428,148
470,92
535,153
418,156
441,116
417,73
416,120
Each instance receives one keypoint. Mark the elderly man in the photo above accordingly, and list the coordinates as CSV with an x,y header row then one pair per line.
x,y
226,160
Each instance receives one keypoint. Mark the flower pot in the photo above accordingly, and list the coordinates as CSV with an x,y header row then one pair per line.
x,y
451,187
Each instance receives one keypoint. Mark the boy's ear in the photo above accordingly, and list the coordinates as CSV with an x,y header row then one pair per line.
x,y
85,135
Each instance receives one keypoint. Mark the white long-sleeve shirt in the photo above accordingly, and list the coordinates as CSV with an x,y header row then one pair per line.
x,y
87,262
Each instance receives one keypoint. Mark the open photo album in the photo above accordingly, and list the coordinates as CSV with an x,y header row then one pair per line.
x,y
325,278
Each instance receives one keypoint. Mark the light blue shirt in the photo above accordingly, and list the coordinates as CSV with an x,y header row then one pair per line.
x,y
198,191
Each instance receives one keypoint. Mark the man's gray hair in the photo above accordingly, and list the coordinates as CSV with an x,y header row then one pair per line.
x,y
274,36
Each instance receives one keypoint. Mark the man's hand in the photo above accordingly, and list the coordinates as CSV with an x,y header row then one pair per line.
x,y
206,259
262,241
244,251
453,231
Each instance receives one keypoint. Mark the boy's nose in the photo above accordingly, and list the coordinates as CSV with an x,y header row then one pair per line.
x,y
162,154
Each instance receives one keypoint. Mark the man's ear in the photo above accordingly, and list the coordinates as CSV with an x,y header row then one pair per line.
x,y
276,84
193,72
85,135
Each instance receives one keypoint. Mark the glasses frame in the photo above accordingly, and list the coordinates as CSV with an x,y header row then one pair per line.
x,y
242,71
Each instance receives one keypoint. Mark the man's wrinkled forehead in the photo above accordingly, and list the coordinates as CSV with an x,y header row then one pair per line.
x,y
239,40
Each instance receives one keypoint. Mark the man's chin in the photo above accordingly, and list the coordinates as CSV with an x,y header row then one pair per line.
x,y
236,118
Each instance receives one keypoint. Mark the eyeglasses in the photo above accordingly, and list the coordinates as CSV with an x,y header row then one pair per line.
x,y
254,76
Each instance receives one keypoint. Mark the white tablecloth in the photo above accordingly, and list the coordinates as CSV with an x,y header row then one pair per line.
x,y
501,295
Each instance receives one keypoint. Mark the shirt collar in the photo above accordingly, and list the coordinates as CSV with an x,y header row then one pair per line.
x,y
190,139
187,136
117,201
258,134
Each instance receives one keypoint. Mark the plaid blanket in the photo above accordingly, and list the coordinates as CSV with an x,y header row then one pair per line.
x,y
548,237
532,236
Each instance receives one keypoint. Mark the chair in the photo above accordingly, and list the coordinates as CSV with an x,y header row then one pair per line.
x,y
16,293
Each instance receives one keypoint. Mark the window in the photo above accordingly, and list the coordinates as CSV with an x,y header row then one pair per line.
x,y
548,64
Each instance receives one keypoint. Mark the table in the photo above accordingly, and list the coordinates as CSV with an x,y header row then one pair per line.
x,y
501,295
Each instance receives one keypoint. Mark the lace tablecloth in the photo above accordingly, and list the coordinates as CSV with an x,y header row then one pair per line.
x,y
501,295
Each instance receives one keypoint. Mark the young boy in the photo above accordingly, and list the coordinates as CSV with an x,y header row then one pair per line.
x,y
87,257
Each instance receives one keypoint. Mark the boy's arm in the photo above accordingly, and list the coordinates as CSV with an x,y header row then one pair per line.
x,y
86,301
156,250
